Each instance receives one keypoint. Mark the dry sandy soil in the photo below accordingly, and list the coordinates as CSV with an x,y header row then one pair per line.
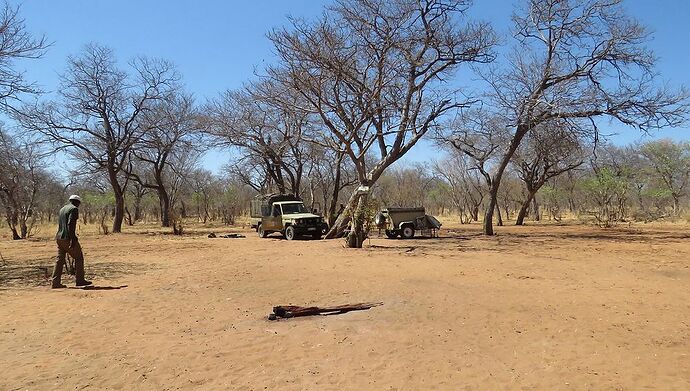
x,y
541,307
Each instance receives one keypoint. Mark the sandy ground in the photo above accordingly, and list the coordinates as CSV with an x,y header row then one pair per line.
x,y
542,307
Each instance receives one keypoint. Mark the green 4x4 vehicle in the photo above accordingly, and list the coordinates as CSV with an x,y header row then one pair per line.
x,y
285,214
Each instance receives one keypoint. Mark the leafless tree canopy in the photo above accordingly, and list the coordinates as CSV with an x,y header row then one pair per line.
x,y
549,150
15,43
270,131
161,156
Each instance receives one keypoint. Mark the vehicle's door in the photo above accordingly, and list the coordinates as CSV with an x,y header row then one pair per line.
x,y
274,222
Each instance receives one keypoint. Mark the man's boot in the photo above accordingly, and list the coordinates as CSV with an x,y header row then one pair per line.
x,y
84,283
79,266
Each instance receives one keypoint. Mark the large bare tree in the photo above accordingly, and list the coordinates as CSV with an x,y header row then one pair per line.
x,y
480,136
22,177
172,137
466,186
97,115
669,164
576,61
374,71
269,135
547,152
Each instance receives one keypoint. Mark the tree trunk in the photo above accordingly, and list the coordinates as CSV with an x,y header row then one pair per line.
x,y
535,209
119,212
119,215
499,219
24,230
355,239
15,234
524,209
341,222
128,216
137,209
183,209
336,192
164,201
488,226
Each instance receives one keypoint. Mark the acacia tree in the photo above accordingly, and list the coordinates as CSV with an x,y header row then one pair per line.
x,y
22,178
669,163
135,195
466,186
97,116
479,136
576,61
269,131
172,131
373,73
548,151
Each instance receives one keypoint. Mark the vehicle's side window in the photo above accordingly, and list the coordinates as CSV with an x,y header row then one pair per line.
x,y
276,210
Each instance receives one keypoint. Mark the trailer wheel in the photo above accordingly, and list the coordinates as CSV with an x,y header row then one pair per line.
x,y
290,233
408,232
261,232
391,234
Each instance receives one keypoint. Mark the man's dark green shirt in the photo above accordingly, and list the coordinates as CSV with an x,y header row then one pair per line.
x,y
67,222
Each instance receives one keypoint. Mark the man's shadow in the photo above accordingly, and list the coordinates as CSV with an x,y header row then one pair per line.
x,y
98,288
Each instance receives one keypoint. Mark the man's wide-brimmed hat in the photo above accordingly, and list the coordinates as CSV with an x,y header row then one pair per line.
x,y
75,197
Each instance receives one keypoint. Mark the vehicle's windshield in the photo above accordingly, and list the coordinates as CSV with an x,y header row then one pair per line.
x,y
289,209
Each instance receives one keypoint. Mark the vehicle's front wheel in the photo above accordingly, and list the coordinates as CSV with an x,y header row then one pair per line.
x,y
391,234
261,232
408,232
290,233
316,236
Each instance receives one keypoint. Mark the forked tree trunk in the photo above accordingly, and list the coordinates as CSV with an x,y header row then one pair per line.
x,y
355,239
496,182
342,221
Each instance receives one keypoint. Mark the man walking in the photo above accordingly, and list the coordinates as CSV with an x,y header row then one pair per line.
x,y
68,243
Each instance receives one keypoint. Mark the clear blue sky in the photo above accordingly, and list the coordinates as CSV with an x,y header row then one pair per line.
x,y
218,44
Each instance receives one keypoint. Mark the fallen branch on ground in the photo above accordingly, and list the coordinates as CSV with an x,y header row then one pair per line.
x,y
293,311
228,236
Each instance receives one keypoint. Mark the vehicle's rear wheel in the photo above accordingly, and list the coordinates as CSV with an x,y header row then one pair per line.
x,y
290,233
261,232
408,232
391,234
